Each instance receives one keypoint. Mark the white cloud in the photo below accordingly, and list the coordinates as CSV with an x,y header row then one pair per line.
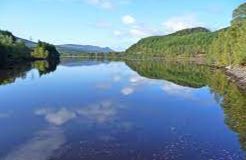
x,y
136,83
104,86
105,4
108,4
127,91
135,30
177,90
127,19
141,31
182,22
4,115
136,79
117,33
100,113
125,1
57,118
116,78
103,24
138,32
40,147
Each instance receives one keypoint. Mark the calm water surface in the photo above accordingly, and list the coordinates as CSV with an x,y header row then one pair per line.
x,y
105,110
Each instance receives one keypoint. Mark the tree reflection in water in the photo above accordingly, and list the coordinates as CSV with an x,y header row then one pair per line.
x,y
233,101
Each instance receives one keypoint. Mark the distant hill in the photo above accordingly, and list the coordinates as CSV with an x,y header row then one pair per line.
x,y
71,48
28,43
184,42
77,49
225,47
190,31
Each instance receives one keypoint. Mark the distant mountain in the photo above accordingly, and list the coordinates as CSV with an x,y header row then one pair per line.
x,y
71,48
77,49
28,43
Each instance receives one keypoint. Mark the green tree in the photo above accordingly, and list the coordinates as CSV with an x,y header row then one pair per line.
x,y
45,51
11,49
239,13
229,47
187,42
45,67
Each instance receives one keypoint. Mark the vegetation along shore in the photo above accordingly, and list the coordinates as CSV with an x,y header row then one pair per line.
x,y
225,48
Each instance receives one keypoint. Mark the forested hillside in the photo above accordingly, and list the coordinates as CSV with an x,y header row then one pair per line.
x,y
187,42
229,48
224,47
13,49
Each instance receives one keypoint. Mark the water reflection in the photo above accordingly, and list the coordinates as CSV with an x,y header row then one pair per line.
x,y
8,74
183,74
40,147
58,118
174,89
233,103
97,113
73,62
100,110
4,115
45,67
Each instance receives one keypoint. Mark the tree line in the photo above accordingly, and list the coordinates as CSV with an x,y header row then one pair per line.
x,y
14,50
229,48
223,47
187,42
11,48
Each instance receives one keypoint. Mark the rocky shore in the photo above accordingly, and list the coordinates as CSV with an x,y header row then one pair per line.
x,y
238,75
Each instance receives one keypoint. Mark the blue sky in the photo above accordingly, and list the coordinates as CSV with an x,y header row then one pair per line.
x,y
113,23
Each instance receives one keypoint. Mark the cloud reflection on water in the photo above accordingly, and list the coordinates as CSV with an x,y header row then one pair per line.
x,y
40,147
127,90
137,82
101,112
177,90
134,81
56,117
4,115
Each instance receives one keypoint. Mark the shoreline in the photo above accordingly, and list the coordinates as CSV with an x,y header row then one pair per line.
x,y
238,76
